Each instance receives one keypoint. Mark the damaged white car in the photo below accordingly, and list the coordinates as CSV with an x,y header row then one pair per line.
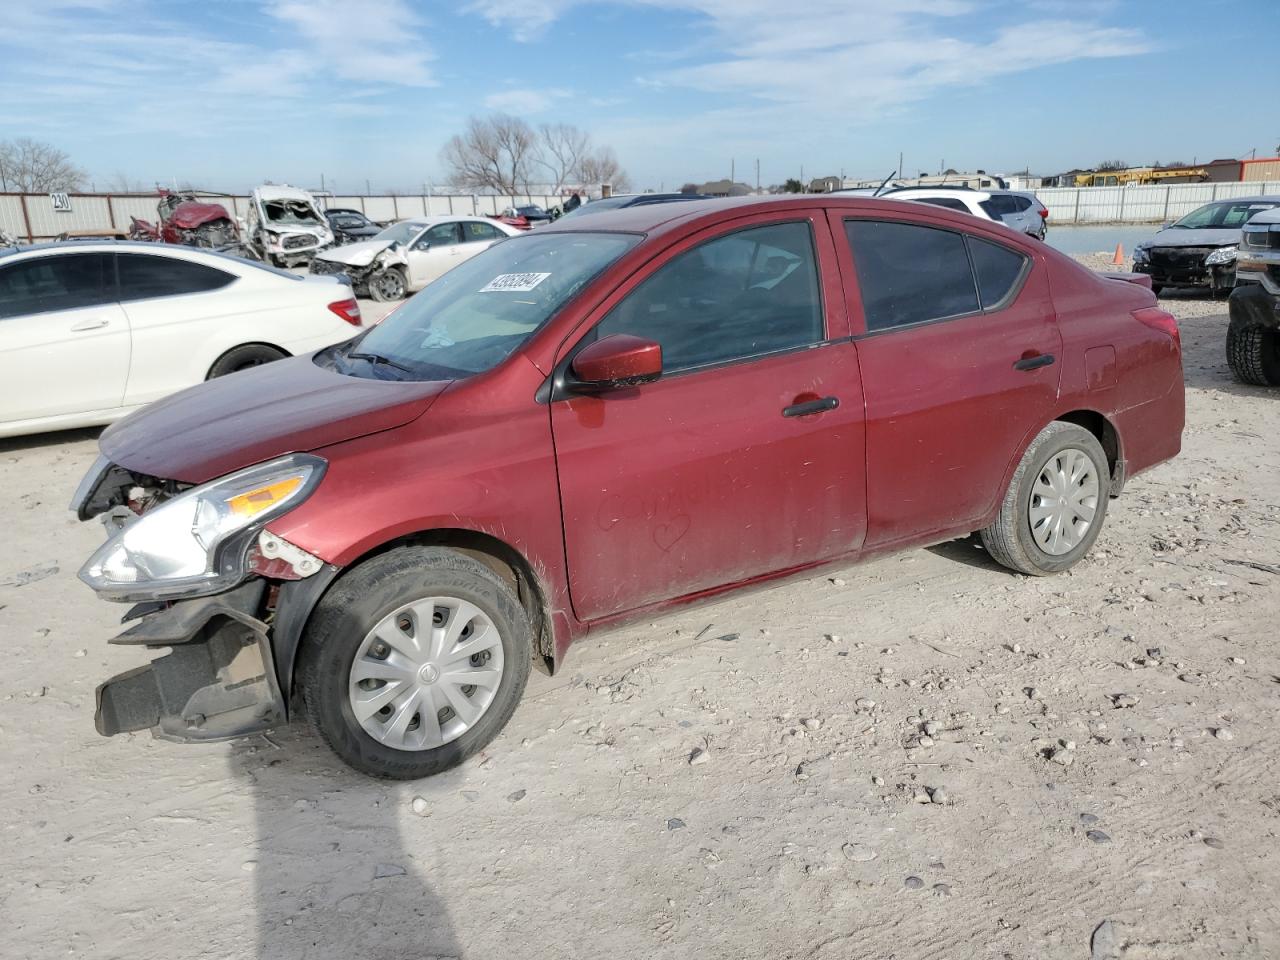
x,y
408,255
286,226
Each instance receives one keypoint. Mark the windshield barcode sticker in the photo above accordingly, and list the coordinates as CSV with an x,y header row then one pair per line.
x,y
514,282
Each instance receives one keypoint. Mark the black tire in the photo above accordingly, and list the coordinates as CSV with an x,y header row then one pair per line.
x,y
389,285
1157,288
356,604
1009,539
1253,353
244,357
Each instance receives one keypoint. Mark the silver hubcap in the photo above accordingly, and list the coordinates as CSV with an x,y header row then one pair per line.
x,y
1063,502
426,673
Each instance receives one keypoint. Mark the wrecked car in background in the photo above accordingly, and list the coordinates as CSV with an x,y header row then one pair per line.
x,y
182,217
1200,249
406,256
1253,336
286,226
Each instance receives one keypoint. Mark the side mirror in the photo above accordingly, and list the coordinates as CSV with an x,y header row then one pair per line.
x,y
619,360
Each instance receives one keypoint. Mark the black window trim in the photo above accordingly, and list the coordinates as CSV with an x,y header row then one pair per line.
x,y
1003,304
110,288
558,379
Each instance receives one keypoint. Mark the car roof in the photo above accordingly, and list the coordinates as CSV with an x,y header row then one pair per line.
x,y
1259,198
653,218
934,193
177,251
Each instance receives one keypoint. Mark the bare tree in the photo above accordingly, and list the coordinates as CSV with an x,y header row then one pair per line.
x,y
1112,165
495,153
561,149
601,166
29,166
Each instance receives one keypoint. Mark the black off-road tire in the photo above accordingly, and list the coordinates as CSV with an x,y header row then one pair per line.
x,y
1009,540
243,357
359,601
1253,353
389,285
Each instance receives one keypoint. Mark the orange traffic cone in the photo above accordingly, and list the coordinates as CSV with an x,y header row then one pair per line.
x,y
1118,259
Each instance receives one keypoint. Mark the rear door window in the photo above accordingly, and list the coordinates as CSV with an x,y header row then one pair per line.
x,y
144,277
999,205
473,231
747,294
951,203
910,273
45,284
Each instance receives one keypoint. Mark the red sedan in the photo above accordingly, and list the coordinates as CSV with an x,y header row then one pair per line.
x,y
597,420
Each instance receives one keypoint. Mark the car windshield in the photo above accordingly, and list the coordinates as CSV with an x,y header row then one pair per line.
x,y
598,206
529,211
1228,215
291,212
477,314
401,233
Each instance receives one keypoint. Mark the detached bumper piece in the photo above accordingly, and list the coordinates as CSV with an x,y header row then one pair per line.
x,y
218,683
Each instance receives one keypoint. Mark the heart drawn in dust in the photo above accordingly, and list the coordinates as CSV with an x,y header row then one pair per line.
x,y
667,535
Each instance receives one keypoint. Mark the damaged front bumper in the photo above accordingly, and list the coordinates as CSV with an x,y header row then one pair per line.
x,y
218,682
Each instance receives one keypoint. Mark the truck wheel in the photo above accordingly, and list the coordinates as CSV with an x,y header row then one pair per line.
x,y
388,285
1253,353
1055,504
414,661
243,357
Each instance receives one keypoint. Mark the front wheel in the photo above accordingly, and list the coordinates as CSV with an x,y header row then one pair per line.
x,y
244,357
388,285
1055,504
414,661
1253,353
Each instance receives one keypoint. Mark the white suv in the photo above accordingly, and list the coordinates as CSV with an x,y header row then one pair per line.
x,y
1018,211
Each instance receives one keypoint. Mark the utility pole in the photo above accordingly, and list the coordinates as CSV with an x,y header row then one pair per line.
x,y
732,174
367,191
322,183
899,177
757,174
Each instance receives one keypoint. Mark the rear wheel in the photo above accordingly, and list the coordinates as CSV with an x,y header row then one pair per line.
x,y
388,285
244,357
414,661
1055,504
1253,353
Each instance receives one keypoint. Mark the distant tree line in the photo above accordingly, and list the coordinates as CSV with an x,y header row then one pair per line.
x,y
29,166
505,154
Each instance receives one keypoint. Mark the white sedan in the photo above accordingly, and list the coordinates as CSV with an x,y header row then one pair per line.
x,y
408,255
90,331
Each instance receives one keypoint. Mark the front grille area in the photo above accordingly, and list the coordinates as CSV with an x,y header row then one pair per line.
x,y
323,267
298,241
1178,260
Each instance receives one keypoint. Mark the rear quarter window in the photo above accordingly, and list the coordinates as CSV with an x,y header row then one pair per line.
x,y
998,270
144,277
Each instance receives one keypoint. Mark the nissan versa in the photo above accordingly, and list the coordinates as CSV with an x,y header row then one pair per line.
x,y
608,416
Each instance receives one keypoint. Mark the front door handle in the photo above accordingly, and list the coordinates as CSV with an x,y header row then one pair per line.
x,y
92,323
1034,363
810,407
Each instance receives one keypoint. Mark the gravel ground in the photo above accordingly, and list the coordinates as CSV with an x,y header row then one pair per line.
x,y
919,757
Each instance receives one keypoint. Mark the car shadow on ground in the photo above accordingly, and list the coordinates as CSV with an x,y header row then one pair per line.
x,y
333,873
36,441
968,550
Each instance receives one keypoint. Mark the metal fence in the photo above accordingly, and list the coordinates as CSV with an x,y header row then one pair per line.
x,y
1155,203
35,217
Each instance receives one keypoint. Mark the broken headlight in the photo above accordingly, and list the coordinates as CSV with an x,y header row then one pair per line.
x,y
1221,255
196,543
1141,253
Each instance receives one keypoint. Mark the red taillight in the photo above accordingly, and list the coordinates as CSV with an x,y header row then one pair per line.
x,y
347,309
1044,212
1157,319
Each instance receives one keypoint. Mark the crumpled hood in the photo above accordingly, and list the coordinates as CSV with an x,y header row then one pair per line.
x,y
1215,237
355,254
289,406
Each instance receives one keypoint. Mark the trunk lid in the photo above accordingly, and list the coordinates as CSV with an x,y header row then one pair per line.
x,y
289,406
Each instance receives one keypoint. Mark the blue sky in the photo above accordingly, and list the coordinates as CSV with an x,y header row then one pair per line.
x,y
227,93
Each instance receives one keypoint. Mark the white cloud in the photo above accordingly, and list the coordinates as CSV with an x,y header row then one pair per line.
x,y
522,102
371,41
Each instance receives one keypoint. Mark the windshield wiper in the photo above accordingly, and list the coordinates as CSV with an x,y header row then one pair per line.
x,y
377,358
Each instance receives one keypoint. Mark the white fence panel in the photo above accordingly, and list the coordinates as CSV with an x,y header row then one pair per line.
x,y
11,220
380,208
1148,203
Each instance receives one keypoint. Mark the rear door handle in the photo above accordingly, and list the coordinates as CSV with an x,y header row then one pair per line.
x,y
90,323
810,407
1034,363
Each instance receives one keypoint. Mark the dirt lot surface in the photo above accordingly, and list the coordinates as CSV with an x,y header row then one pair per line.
x,y
922,757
